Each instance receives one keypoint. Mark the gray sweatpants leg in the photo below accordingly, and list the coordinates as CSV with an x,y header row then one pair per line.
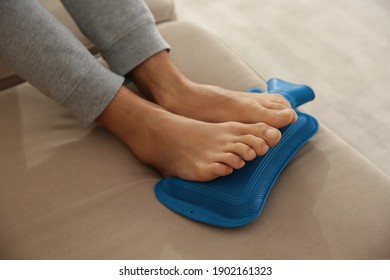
x,y
42,51
124,31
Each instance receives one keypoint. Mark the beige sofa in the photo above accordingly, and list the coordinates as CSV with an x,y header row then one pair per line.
x,y
68,192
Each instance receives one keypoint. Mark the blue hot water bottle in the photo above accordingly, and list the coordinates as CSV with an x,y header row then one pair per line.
x,y
239,198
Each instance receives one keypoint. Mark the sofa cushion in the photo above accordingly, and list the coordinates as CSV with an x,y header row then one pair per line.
x,y
67,192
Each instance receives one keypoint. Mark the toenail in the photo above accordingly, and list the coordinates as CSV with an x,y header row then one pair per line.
x,y
284,112
242,164
265,149
295,116
272,133
251,154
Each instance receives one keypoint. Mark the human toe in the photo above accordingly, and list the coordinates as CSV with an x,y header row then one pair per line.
x,y
280,99
267,133
243,150
231,159
283,117
272,136
258,144
220,169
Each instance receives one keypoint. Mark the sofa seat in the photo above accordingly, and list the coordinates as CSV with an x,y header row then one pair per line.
x,y
68,192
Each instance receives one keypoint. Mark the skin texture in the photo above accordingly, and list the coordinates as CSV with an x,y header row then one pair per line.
x,y
193,131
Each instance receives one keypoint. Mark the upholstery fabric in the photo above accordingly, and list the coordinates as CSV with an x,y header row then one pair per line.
x,y
67,192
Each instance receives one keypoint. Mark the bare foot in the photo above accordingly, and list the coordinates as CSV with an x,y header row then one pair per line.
x,y
159,77
182,147
215,104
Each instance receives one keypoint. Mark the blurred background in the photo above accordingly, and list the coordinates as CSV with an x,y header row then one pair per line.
x,y
341,48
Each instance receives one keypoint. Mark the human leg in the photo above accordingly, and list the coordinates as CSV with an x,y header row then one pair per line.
x,y
125,33
42,51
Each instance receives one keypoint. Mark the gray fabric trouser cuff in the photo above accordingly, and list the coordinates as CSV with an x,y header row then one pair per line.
x,y
92,93
45,53
134,48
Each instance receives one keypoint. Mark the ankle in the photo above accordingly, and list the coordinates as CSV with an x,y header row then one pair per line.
x,y
159,78
172,98
126,113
